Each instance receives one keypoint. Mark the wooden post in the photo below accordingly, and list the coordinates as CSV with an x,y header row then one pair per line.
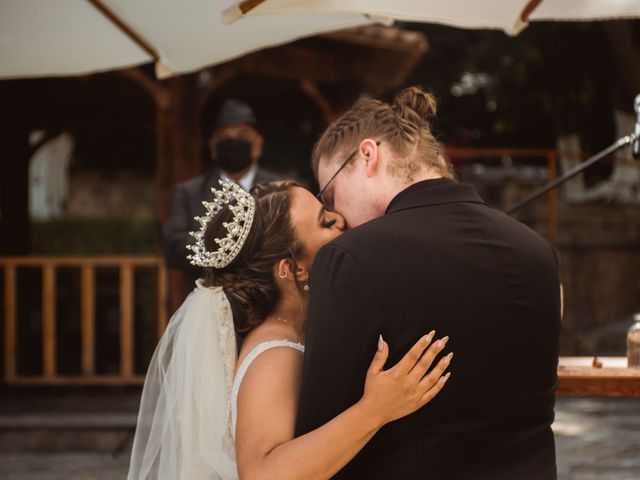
x,y
310,88
10,316
88,316
49,320
126,320
552,205
162,299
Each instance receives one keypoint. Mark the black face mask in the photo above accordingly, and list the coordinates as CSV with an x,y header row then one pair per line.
x,y
233,155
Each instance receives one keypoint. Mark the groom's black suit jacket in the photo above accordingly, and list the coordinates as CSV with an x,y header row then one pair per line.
x,y
441,259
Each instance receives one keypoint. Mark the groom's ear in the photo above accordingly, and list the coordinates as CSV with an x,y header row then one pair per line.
x,y
370,152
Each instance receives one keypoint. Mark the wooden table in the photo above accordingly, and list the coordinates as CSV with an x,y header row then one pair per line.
x,y
579,378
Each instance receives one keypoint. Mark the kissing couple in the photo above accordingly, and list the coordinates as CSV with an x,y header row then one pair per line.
x,y
318,343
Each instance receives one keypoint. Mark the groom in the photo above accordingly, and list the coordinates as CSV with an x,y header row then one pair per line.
x,y
423,253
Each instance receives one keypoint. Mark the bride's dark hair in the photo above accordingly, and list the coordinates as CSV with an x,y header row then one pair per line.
x,y
248,281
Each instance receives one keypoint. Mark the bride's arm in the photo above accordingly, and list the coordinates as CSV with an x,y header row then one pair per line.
x,y
267,405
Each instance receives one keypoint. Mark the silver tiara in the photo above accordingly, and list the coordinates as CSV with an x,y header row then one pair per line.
x,y
237,231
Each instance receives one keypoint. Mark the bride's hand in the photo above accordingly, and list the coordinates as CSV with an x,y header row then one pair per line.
x,y
403,389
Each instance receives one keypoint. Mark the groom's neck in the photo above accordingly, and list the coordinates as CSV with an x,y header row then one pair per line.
x,y
397,185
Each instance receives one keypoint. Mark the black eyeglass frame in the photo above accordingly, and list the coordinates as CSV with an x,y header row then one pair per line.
x,y
344,164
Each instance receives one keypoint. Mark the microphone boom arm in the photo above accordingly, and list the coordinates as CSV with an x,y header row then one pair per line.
x,y
618,144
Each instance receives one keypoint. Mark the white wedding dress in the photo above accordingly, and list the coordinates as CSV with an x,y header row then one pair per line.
x,y
244,366
188,412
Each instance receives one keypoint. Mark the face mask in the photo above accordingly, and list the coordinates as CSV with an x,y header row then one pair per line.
x,y
233,155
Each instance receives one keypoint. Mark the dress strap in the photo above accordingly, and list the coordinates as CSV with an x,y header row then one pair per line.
x,y
244,366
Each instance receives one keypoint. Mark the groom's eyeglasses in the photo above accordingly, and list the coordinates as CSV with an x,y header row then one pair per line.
x,y
344,164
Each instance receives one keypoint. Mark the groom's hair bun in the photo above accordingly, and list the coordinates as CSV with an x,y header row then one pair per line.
x,y
248,281
415,100
402,125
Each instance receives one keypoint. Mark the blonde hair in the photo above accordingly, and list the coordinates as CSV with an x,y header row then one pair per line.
x,y
403,125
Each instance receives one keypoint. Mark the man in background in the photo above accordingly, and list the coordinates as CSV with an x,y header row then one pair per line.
x,y
235,145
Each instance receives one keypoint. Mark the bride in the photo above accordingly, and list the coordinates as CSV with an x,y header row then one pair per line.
x,y
209,412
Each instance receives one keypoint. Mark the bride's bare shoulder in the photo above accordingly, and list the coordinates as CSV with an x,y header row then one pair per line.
x,y
262,334
273,372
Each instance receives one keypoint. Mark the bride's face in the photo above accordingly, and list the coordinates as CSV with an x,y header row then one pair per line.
x,y
315,226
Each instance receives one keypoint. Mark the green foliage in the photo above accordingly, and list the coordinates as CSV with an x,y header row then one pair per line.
x,y
552,79
88,236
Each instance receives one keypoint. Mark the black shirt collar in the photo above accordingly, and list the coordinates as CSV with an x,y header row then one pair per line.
x,y
436,191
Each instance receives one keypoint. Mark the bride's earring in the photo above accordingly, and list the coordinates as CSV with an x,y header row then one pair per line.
x,y
282,274
306,288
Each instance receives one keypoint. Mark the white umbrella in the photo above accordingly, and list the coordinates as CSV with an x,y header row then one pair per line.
x,y
67,37
508,15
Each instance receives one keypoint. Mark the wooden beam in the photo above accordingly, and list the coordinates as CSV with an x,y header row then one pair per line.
x,y
294,62
49,320
126,29
77,260
126,320
10,322
497,152
156,91
162,300
552,204
311,89
221,75
88,319
79,380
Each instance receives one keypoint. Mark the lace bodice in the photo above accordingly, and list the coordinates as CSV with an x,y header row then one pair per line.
x,y
242,370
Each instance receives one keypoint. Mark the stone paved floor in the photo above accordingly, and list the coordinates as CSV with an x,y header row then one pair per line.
x,y
597,439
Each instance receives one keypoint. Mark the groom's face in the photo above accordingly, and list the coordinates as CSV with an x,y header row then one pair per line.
x,y
352,192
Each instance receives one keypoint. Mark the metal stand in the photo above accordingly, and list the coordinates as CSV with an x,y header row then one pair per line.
x,y
622,142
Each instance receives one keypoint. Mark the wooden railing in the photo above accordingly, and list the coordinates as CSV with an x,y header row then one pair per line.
x,y
552,172
87,266
577,376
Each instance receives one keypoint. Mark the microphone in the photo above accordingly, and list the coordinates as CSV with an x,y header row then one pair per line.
x,y
636,141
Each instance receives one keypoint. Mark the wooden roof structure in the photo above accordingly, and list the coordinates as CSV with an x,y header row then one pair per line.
x,y
376,59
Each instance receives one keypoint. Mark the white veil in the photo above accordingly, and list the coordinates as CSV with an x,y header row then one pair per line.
x,y
183,429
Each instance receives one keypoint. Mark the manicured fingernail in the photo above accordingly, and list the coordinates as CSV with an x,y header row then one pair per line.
x,y
380,342
430,334
444,341
446,377
448,357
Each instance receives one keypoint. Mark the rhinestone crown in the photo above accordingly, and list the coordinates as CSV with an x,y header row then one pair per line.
x,y
243,207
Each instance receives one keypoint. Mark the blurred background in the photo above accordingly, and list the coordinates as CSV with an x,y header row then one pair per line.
x,y
90,163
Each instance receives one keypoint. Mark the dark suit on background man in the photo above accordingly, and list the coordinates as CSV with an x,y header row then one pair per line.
x,y
441,259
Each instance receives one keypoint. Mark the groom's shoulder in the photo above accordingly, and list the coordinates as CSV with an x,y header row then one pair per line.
x,y
368,234
354,250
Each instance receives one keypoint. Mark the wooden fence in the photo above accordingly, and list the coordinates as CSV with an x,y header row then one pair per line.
x,y
126,266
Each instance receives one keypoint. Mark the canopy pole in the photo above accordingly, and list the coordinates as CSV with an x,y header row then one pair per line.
x,y
126,29
238,10
247,5
528,10
523,20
